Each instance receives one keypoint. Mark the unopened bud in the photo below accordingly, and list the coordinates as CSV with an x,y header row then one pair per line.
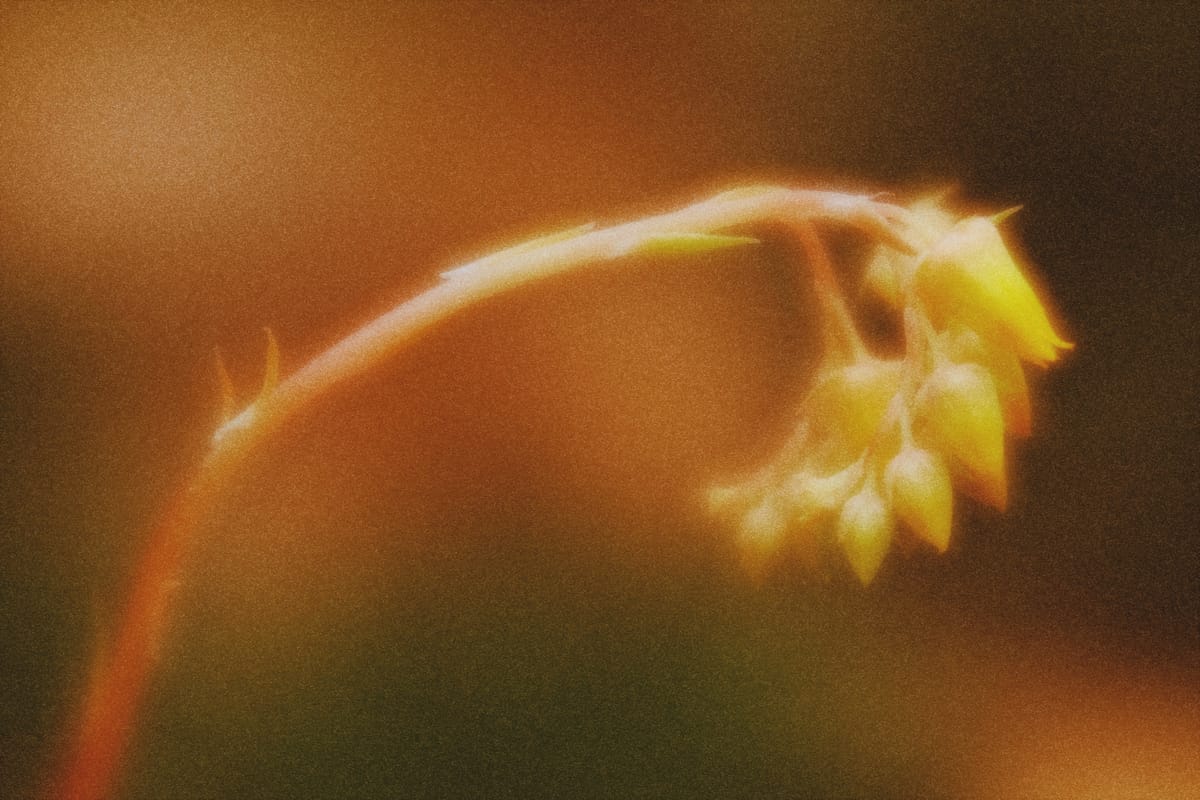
x,y
865,531
918,485
763,529
958,412
963,344
847,406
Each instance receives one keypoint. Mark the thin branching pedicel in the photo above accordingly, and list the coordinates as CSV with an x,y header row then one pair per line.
x,y
878,441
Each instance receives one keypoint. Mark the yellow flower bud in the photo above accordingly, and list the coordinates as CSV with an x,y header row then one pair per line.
x,y
969,276
847,405
964,344
762,535
958,414
865,531
918,485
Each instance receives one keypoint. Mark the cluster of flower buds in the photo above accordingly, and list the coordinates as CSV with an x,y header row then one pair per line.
x,y
881,444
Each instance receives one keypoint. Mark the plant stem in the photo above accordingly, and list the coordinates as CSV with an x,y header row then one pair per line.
x,y
840,327
119,681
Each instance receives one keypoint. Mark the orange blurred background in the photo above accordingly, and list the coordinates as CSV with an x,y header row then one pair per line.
x,y
486,570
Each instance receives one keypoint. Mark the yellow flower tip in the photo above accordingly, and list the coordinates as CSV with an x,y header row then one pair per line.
x,y
918,485
970,276
1003,215
761,536
864,531
959,414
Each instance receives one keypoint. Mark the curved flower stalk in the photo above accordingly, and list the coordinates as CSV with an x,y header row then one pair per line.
x,y
122,668
878,447
881,443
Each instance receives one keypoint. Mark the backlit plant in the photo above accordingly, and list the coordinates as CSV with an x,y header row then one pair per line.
x,y
879,446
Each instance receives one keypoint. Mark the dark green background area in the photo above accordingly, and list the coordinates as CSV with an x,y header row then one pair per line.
x,y
425,593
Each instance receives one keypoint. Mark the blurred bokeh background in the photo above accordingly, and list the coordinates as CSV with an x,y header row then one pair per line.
x,y
486,569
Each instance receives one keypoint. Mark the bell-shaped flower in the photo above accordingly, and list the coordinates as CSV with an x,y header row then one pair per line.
x,y
917,483
963,344
845,408
762,535
969,276
958,414
864,531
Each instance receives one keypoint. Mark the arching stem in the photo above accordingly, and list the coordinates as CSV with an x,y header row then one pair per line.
x,y
121,673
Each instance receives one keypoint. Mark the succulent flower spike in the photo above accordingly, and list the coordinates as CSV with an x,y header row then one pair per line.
x,y
882,442
970,277
878,442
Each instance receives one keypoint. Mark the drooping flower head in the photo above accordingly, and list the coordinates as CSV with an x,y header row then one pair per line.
x,y
881,444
